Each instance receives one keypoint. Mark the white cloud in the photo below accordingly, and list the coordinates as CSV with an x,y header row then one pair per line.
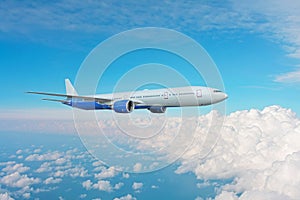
x,y
106,173
226,195
20,157
204,184
260,149
43,157
26,195
36,121
45,167
127,197
17,180
290,77
137,167
59,174
87,184
97,163
72,171
60,161
7,163
37,114
52,180
154,187
19,151
103,186
37,150
125,175
82,196
5,196
77,172
118,186
279,21
19,167
137,185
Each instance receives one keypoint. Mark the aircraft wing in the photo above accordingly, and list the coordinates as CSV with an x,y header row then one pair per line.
x,y
88,98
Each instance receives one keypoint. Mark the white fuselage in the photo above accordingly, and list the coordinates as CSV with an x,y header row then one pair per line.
x,y
171,97
155,101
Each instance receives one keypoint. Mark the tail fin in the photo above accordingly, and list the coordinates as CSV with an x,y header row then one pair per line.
x,y
69,88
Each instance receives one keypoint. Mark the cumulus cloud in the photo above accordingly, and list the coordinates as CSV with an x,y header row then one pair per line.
x,y
137,185
5,196
259,149
77,171
19,151
125,175
106,172
43,157
137,167
154,187
52,180
19,167
127,197
103,186
60,161
97,163
45,167
26,195
87,184
17,180
118,186
7,163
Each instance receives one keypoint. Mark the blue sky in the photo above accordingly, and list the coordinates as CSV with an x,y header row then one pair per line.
x,y
256,47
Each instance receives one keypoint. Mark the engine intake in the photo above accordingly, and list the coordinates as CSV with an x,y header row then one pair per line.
x,y
157,109
123,106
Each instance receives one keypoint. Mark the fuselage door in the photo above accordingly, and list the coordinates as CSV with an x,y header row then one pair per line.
x,y
166,95
199,93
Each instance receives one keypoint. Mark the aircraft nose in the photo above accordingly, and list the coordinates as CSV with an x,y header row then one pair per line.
x,y
225,95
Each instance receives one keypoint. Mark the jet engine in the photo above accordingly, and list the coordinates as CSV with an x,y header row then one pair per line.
x,y
123,106
157,109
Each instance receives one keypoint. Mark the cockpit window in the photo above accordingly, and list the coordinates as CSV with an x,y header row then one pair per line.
x,y
217,91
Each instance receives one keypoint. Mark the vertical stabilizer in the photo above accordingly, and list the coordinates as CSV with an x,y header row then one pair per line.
x,y
70,90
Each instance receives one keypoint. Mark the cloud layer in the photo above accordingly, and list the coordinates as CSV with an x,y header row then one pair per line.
x,y
259,150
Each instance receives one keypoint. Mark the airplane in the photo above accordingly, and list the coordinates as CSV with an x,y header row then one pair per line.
x,y
156,101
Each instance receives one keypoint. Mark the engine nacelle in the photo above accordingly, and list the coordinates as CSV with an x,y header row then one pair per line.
x,y
123,106
157,109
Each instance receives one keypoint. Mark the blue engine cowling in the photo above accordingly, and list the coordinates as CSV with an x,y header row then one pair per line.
x,y
123,106
87,105
157,109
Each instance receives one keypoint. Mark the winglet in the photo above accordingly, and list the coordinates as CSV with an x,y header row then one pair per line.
x,y
69,88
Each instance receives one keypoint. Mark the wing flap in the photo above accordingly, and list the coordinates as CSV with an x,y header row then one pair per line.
x,y
56,100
